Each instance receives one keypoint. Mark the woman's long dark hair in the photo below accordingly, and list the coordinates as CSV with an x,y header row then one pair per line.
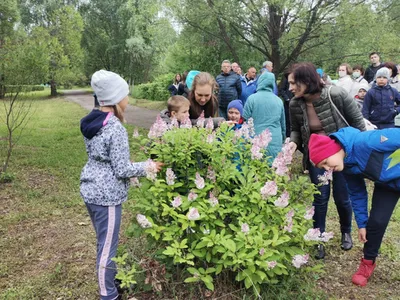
x,y
211,107
306,73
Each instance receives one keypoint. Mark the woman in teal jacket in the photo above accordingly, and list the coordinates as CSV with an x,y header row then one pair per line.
x,y
267,111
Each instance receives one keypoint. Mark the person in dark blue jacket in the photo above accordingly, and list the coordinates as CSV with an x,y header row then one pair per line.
x,y
362,155
230,87
381,103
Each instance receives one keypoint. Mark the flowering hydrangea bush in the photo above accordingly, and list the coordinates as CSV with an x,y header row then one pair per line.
x,y
219,205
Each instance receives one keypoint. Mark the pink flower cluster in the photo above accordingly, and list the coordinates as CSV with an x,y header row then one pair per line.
x,y
192,196
289,220
186,123
151,170
170,177
210,124
269,189
193,214
201,120
143,222
211,174
200,184
271,264
283,159
174,123
247,130
299,260
260,142
210,138
245,228
283,200
326,177
158,128
309,213
177,202
135,133
213,200
261,252
250,123
135,182
314,234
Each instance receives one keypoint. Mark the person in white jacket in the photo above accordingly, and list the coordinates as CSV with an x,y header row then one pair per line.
x,y
345,80
358,80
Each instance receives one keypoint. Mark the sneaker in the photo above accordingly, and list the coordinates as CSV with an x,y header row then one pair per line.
x,y
320,251
347,242
364,272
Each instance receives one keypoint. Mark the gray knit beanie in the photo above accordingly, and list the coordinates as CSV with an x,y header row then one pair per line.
x,y
109,87
383,72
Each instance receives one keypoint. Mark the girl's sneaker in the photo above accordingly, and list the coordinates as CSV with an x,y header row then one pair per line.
x,y
364,272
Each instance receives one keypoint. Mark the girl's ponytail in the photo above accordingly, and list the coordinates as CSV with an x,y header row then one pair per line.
x,y
118,113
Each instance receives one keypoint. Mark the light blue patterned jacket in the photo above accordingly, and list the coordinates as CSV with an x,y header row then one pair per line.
x,y
105,177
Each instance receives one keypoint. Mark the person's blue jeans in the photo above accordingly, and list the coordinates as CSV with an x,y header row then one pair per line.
x,y
384,200
340,196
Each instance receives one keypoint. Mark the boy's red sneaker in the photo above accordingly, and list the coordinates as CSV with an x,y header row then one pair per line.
x,y
364,272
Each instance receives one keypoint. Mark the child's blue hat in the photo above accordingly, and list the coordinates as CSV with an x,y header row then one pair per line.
x,y
190,77
238,104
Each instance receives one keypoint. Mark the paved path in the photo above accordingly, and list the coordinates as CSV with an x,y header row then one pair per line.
x,y
137,116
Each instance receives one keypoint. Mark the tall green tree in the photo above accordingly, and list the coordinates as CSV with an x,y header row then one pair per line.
x,y
127,37
282,31
66,55
64,26
8,17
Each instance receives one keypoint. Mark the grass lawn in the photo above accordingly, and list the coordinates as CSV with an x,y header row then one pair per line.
x,y
48,245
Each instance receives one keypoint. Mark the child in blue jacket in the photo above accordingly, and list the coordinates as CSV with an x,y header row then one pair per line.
x,y
363,155
381,103
235,114
105,177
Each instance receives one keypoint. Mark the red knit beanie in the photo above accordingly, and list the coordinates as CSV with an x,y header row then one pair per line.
x,y
321,147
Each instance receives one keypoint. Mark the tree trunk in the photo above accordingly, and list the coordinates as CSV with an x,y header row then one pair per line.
x,y
2,87
53,88
275,35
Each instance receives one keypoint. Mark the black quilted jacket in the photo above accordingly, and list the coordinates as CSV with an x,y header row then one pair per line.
x,y
331,121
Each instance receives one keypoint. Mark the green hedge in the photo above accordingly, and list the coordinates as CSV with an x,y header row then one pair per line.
x,y
23,88
156,90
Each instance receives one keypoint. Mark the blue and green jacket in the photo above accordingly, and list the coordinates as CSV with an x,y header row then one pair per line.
x,y
367,156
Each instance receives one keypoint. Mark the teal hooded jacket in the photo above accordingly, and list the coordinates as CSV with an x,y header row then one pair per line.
x,y
267,111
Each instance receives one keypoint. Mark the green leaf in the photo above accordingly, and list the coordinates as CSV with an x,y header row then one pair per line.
x,y
192,271
209,285
191,279
247,282
208,256
201,245
210,270
395,156
219,223
169,251
199,253
230,245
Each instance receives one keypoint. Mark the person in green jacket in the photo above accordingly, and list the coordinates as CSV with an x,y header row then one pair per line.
x,y
267,111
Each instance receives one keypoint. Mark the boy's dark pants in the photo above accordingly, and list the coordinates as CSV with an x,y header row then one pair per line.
x,y
106,221
384,201
340,195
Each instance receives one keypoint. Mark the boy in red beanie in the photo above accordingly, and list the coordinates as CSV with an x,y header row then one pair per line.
x,y
363,155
